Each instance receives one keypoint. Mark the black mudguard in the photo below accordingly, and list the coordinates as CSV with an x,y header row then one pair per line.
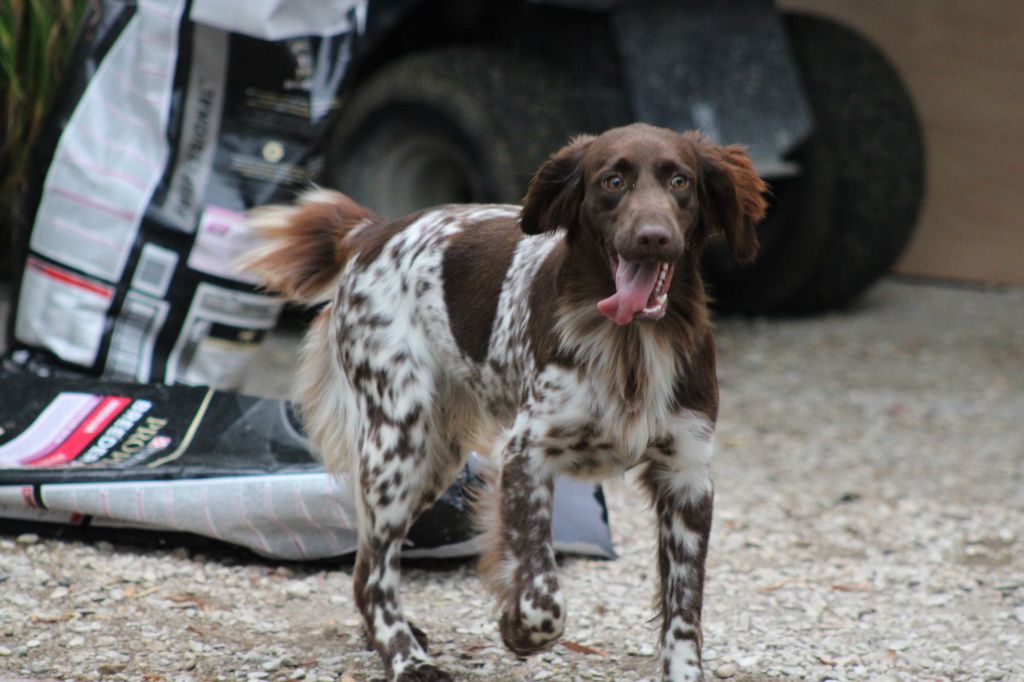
x,y
725,68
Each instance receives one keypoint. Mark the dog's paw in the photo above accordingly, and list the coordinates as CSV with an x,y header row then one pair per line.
x,y
523,640
425,672
690,677
677,671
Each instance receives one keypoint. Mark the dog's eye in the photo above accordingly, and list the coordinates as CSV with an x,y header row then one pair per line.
x,y
614,183
679,182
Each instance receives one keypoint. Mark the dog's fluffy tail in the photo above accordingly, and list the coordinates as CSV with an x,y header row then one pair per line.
x,y
302,248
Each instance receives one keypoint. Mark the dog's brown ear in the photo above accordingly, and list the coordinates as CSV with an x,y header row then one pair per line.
x,y
556,190
732,195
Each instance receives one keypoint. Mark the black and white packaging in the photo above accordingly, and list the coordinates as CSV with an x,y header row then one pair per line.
x,y
187,459
178,116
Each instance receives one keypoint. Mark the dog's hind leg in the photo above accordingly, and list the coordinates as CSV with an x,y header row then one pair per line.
x,y
398,475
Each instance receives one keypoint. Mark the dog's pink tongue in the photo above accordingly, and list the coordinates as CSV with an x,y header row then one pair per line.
x,y
634,283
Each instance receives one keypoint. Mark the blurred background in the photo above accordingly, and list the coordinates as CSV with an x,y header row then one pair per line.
x,y
888,132
962,65
960,62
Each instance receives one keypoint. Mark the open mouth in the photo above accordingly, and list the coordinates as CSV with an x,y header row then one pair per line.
x,y
641,290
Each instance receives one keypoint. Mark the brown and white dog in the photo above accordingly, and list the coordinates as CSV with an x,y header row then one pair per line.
x,y
569,336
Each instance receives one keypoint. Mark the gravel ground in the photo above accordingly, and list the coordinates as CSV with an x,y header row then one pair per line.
x,y
869,526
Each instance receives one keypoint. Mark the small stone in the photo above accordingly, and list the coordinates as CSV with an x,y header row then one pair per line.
x,y
27,539
749,661
726,670
642,650
258,675
59,593
33,643
4,651
298,591
110,668
271,665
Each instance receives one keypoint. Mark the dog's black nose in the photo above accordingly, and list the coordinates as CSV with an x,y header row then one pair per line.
x,y
649,236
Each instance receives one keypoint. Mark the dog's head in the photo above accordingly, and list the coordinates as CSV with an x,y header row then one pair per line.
x,y
646,196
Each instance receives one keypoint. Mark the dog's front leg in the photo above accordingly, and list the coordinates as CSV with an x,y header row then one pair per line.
x,y
519,561
683,501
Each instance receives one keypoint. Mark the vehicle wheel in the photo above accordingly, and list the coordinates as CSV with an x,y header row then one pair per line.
x,y
455,124
860,190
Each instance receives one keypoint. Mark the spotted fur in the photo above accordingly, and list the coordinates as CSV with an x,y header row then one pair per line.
x,y
451,330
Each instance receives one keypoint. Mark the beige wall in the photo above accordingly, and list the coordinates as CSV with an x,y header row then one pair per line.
x,y
963,61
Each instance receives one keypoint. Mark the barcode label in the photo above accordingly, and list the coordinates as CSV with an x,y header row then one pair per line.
x,y
130,357
154,270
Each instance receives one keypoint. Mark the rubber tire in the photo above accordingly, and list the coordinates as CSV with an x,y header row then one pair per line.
x,y
862,178
455,124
